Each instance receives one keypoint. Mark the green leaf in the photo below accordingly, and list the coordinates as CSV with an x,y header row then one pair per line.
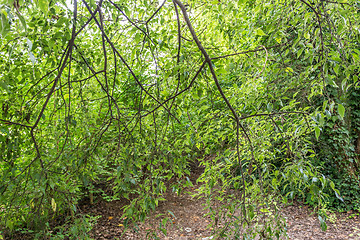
x,y
300,52
355,78
332,185
317,132
4,25
22,20
338,195
307,35
29,43
333,83
341,111
251,212
269,107
4,85
53,204
32,57
172,214
264,210
289,69
322,223
328,113
260,32
43,5
274,182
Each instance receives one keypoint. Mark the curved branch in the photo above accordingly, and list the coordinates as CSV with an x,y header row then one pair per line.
x,y
238,124
126,64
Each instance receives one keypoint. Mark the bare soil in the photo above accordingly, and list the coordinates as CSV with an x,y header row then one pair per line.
x,y
190,224
188,221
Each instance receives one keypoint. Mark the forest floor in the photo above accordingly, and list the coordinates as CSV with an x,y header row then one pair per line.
x,y
188,221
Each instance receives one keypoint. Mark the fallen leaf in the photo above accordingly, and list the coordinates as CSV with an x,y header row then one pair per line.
x,y
110,218
120,225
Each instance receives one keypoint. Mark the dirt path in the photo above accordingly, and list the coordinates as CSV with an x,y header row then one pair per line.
x,y
303,225
189,223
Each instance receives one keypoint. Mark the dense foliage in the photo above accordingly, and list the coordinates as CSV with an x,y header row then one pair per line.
x,y
263,94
